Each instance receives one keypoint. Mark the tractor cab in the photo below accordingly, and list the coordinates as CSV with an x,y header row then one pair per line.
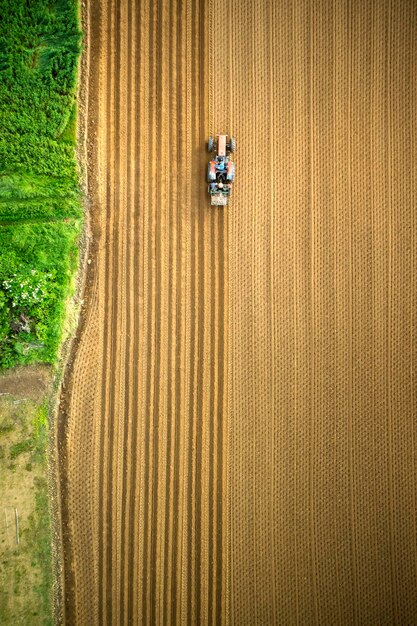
x,y
221,169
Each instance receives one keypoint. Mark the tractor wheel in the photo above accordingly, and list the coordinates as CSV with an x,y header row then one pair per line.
x,y
232,145
210,144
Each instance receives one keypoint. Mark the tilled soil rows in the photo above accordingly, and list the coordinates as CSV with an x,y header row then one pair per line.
x,y
238,426
322,326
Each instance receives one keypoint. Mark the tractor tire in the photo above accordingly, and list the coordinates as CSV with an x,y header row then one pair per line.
x,y
211,177
210,144
232,144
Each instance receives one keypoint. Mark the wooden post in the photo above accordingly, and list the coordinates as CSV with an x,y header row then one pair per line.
x,y
16,515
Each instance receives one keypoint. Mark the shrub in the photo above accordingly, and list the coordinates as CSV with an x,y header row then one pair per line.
x,y
28,288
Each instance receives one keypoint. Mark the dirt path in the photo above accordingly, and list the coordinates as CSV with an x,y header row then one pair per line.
x,y
238,428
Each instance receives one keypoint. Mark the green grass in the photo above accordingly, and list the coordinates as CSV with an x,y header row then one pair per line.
x,y
51,249
20,211
40,203
69,133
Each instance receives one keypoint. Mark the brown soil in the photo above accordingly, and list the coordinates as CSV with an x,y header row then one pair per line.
x,y
31,381
238,424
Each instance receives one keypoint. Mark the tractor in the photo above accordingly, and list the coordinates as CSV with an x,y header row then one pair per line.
x,y
221,169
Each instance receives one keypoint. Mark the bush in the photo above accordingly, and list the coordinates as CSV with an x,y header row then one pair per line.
x,y
28,288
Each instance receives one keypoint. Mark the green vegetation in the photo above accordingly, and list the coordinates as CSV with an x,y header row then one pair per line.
x,y
40,204
20,447
37,262
25,567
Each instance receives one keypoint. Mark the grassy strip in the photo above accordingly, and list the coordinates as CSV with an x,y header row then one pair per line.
x,y
29,186
27,210
40,223
39,49
26,567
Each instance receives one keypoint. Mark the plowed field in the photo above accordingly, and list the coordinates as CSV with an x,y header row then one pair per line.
x,y
238,427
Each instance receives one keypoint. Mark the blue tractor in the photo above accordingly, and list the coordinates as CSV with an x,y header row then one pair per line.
x,y
221,169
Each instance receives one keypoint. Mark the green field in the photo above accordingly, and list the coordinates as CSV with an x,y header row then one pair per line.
x,y
40,203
